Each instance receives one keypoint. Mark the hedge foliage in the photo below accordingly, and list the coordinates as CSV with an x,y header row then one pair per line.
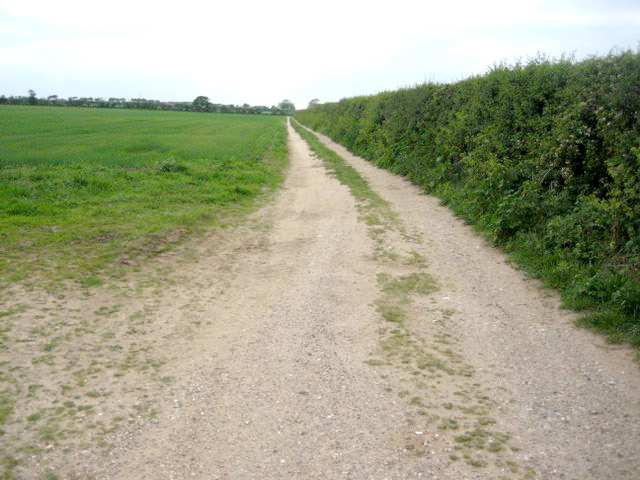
x,y
543,157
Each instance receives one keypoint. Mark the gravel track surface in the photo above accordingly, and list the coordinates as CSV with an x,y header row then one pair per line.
x,y
571,400
295,346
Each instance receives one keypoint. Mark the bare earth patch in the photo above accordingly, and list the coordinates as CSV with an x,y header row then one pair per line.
x,y
321,339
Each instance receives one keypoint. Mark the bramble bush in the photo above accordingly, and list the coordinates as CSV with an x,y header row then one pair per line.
x,y
543,157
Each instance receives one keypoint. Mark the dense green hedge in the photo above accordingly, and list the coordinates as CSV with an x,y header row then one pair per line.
x,y
544,158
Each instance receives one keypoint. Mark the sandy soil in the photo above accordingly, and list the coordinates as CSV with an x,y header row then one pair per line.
x,y
262,352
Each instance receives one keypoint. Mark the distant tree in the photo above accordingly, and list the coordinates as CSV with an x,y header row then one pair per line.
x,y
200,104
32,98
287,107
313,103
3,99
52,98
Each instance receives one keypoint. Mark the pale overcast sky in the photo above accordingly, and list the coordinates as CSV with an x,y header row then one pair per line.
x,y
261,52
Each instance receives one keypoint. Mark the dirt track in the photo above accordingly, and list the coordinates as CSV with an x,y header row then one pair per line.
x,y
283,366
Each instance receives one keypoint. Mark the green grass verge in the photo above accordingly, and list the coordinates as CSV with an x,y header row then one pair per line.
x,y
347,175
84,189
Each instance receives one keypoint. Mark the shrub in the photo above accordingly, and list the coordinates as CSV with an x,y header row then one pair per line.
x,y
543,157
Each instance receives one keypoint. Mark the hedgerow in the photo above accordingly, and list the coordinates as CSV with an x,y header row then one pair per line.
x,y
542,157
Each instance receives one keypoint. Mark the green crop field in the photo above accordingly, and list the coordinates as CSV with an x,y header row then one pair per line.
x,y
83,189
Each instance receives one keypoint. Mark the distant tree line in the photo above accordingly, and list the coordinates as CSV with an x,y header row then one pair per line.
x,y
200,104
